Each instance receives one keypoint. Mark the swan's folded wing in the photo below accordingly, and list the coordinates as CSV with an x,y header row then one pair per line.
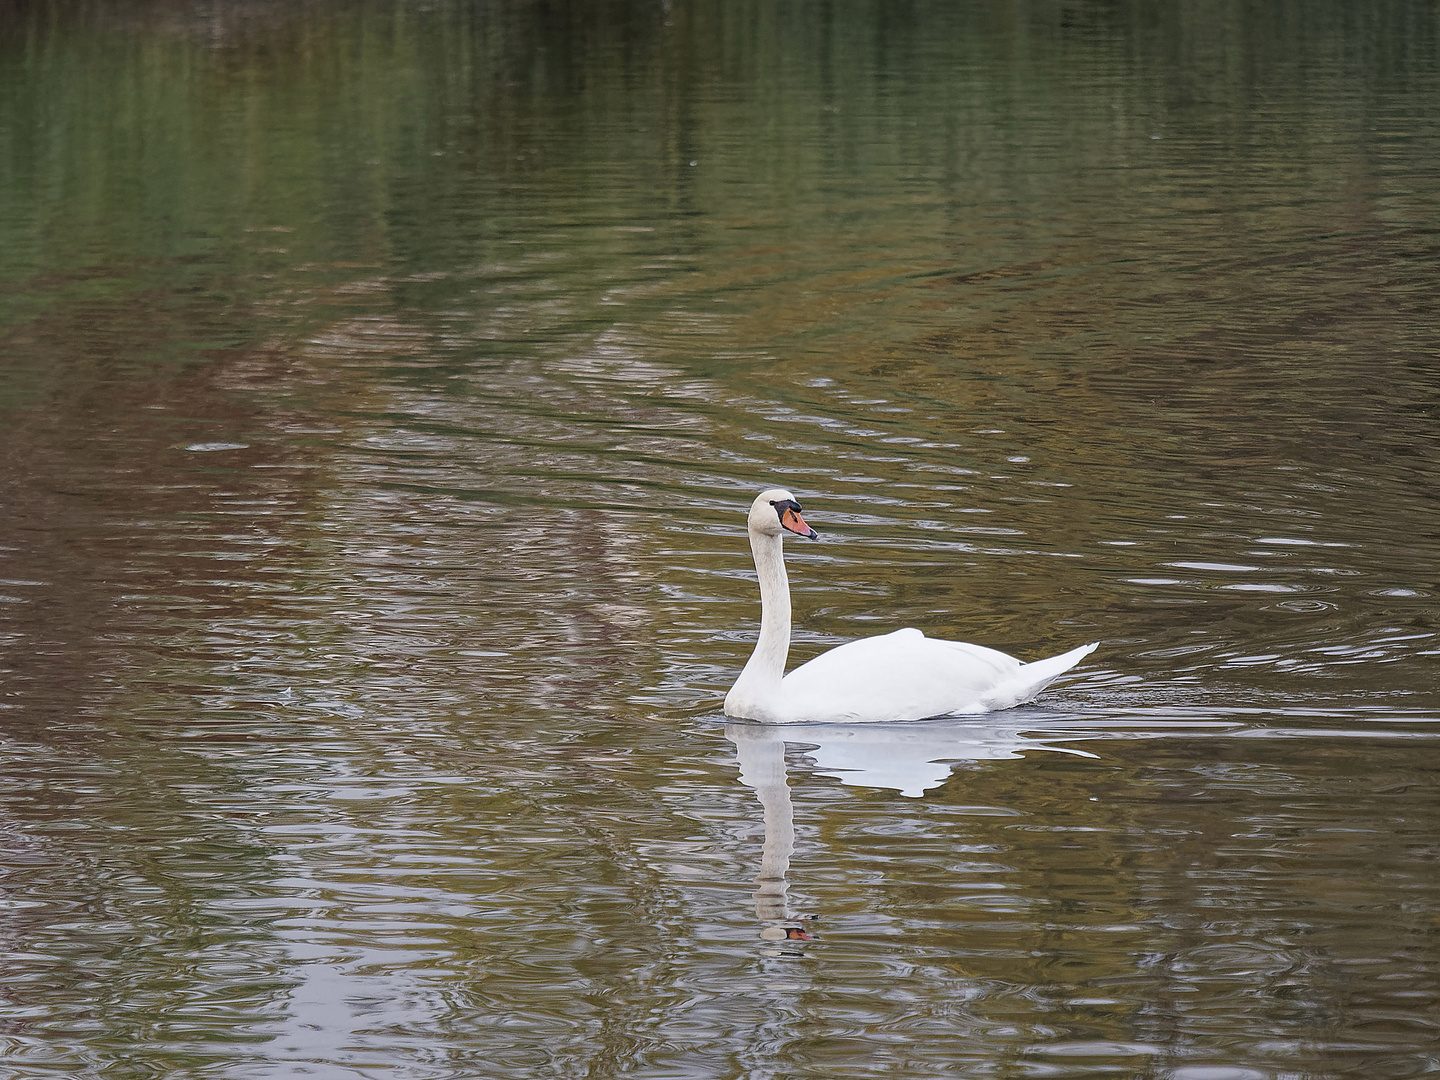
x,y
899,676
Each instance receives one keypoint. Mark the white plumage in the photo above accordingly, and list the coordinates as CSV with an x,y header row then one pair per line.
x,y
899,676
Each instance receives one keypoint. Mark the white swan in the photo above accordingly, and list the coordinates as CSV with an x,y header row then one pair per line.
x,y
898,676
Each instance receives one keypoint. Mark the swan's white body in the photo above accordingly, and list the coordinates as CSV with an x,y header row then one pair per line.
x,y
899,676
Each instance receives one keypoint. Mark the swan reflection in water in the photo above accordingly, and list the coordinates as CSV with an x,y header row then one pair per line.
x,y
909,757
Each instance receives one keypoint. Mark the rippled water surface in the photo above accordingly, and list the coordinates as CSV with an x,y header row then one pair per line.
x,y
382,386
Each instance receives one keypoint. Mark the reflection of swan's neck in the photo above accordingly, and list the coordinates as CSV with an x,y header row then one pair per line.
x,y
760,681
771,889
762,767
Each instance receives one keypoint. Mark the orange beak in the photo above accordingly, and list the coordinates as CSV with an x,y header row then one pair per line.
x,y
792,520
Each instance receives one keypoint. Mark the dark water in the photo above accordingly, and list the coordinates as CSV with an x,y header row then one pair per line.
x,y
381,389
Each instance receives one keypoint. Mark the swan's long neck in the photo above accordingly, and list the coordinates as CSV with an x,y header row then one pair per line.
x,y
759,684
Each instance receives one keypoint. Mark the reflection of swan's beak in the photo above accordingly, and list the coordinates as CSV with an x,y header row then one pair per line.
x,y
785,933
792,520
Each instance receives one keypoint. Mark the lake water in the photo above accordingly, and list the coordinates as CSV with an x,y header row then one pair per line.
x,y
382,388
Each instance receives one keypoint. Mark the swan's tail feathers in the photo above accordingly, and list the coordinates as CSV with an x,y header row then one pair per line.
x,y
1035,677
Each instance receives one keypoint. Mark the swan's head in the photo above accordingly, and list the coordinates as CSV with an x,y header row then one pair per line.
x,y
775,512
